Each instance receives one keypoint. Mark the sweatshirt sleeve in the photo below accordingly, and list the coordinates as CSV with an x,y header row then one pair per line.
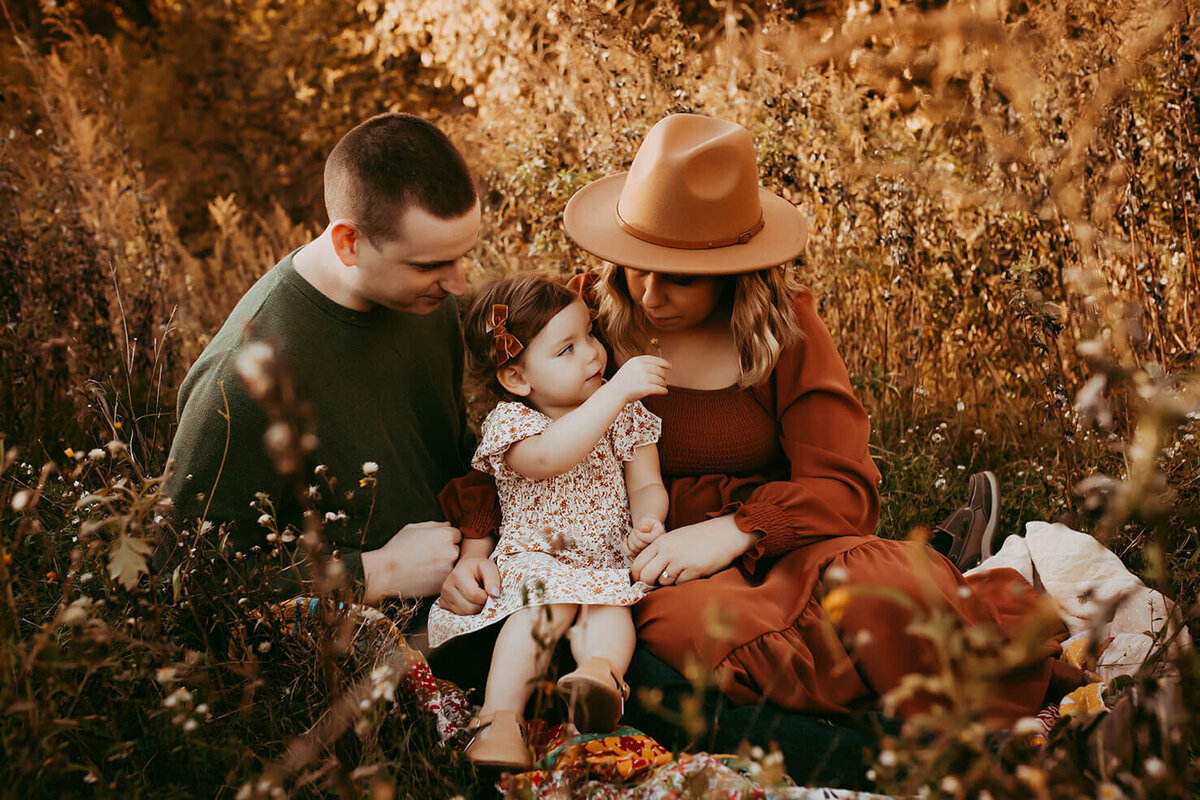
x,y
833,485
219,464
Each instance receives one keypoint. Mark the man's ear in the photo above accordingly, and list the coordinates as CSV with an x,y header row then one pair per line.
x,y
345,237
509,376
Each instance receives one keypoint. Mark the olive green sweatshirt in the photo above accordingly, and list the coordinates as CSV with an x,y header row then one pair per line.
x,y
382,388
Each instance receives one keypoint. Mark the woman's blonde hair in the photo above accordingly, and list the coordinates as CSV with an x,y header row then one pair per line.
x,y
762,317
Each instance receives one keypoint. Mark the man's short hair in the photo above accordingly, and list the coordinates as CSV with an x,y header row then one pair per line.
x,y
389,163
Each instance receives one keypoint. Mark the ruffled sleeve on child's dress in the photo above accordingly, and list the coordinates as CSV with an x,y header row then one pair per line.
x,y
504,426
633,428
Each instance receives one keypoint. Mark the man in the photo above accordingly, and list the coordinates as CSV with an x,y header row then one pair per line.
x,y
363,326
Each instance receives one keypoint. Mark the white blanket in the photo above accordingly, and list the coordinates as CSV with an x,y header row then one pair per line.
x,y
1089,583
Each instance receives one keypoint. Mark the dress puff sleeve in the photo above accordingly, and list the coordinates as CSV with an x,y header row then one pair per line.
x,y
504,426
634,427
833,489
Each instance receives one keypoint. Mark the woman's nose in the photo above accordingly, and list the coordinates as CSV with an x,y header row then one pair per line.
x,y
652,295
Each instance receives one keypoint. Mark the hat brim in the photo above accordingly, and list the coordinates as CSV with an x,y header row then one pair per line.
x,y
591,221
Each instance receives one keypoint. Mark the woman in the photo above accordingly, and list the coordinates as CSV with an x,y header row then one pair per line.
x,y
764,450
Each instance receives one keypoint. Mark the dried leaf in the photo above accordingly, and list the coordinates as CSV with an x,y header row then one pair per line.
x,y
128,560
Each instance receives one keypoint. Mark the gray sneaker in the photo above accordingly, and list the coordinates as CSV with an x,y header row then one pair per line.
x,y
971,530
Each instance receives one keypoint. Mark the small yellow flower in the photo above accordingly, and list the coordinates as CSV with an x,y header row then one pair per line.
x,y
69,453
835,604
654,343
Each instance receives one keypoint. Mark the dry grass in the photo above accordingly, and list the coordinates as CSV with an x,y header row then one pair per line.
x,y
1003,197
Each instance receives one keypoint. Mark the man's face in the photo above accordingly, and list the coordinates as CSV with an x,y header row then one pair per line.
x,y
417,270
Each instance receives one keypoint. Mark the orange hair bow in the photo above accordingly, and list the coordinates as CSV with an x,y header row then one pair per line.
x,y
508,346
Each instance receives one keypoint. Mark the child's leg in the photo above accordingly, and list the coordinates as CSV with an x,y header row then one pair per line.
x,y
518,659
602,642
604,631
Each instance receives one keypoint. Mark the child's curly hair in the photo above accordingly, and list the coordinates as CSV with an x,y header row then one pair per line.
x,y
533,298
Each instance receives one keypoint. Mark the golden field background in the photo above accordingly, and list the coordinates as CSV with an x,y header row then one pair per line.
x,y
1004,213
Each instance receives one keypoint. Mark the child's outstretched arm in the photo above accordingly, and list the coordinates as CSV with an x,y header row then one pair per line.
x,y
473,578
572,436
647,499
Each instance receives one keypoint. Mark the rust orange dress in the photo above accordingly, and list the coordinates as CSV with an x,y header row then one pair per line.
x,y
789,460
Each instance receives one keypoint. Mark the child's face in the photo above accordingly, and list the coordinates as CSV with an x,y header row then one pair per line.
x,y
564,364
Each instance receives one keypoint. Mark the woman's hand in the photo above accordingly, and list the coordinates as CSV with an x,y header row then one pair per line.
x,y
693,551
469,584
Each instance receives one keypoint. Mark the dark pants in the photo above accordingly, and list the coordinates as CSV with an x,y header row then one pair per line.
x,y
816,751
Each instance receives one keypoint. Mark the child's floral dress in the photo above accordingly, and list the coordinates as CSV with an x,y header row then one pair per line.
x,y
560,537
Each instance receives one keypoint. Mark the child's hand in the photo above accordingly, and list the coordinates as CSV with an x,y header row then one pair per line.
x,y
641,376
645,531
469,584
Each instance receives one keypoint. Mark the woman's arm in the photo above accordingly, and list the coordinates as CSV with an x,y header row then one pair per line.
x,y
571,437
832,488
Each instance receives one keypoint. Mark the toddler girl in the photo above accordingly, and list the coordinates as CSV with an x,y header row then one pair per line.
x,y
575,462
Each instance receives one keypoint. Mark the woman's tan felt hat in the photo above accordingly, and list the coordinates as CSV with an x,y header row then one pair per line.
x,y
690,204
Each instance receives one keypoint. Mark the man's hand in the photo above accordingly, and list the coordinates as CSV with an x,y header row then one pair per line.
x,y
414,563
469,584
645,531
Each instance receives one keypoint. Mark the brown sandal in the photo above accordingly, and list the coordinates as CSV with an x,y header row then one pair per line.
x,y
498,740
595,696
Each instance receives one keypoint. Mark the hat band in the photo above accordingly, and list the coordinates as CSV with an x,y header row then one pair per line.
x,y
741,238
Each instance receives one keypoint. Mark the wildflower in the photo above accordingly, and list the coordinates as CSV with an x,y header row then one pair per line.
x,y
190,724
51,576
96,454
254,365
887,759
369,468
8,559
950,785
264,647
180,695
264,519
320,469
836,575
69,453
202,708
960,406
165,674
939,483
287,535
20,500
1028,726
657,347
205,527
835,604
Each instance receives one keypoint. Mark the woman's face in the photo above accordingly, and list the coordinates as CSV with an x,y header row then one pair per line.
x,y
674,302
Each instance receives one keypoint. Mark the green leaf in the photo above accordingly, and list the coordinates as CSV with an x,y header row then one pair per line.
x,y
128,560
